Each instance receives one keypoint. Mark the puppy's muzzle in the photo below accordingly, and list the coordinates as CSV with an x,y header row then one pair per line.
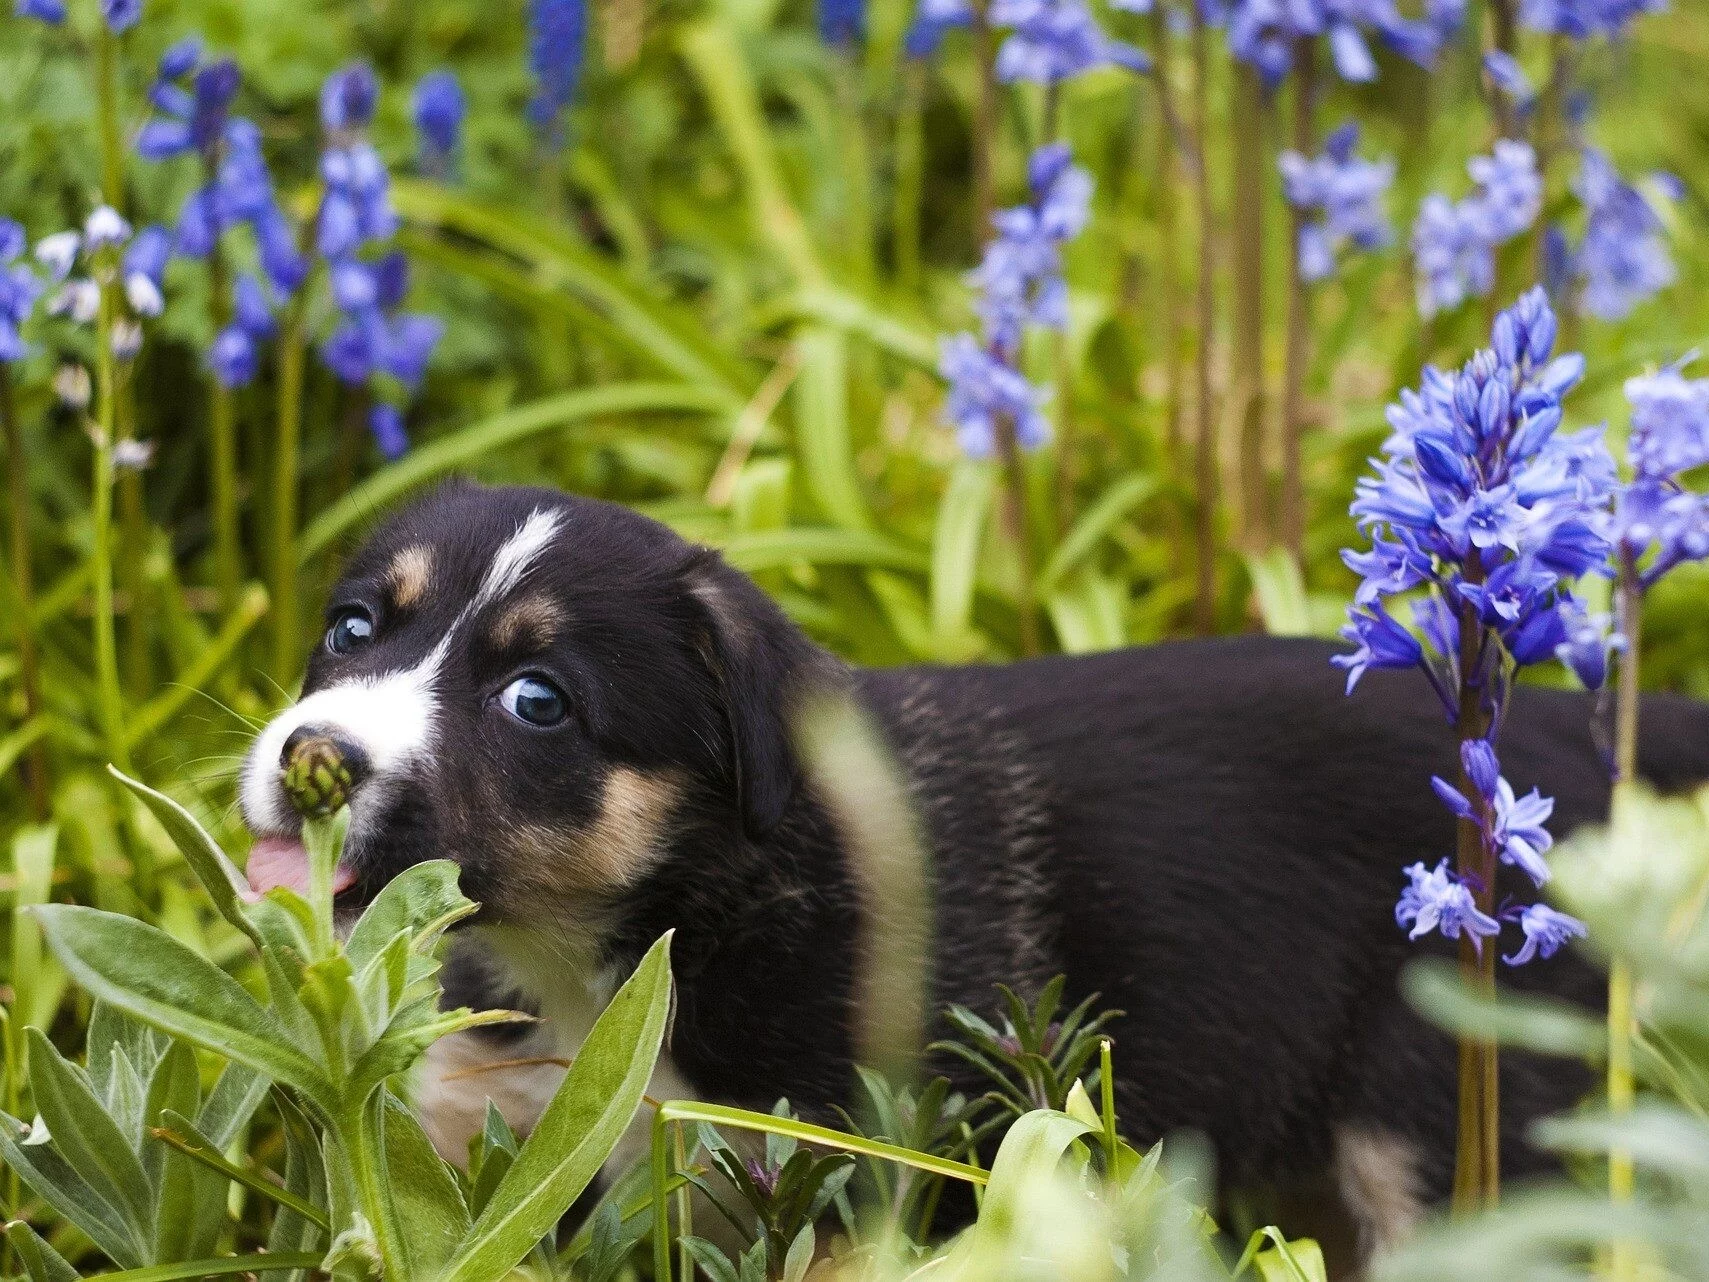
x,y
321,769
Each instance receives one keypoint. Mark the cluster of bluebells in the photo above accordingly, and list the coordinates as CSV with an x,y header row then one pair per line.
x,y
1656,519
1345,195
373,335
1582,19
78,297
1019,284
1623,258
1488,511
1264,33
1454,242
1049,41
19,290
557,39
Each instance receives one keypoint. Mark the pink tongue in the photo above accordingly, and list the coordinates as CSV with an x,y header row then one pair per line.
x,y
282,861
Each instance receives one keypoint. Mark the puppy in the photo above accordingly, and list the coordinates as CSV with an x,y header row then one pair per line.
x,y
593,718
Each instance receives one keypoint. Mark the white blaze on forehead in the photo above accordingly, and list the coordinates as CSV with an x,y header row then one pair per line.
x,y
519,553
390,717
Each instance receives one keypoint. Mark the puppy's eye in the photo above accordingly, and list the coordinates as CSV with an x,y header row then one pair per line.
x,y
534,700
351,630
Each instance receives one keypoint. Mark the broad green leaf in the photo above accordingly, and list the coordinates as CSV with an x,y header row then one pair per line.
x,y
587,1116
68,1193
955,553
421,894
1097,521
305,1182
87,1138
820,545
221,878
153,977
221,1266
1280,591
1033,1147
426,1215
36,983
820,397
1543,1024
468,445
1299,1260
41,1262
182,1187
712,1261
177,1133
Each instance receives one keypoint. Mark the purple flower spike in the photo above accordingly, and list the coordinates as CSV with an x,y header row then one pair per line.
x,y
1436,899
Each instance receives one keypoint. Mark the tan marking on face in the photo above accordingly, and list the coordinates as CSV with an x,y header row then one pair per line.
x,y
551,869
408,576
531,622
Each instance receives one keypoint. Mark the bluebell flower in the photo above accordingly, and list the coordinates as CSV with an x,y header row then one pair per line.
x,y
1623,258
842,22
1582,19
1670,436
439,111
1436,899
1054,40
932,20
557,36
19,290
181,58
984,389
121,15
1019,279
233,358
1509,79
348,98
50,11
105,228
386,422
1263,33
1546,932
1346,192
1454,244
1512,826
1382,641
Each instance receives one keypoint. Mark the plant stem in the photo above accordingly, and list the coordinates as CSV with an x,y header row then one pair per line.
x,y
1622,1024
107,107
1062,372
286,624
1504,37
23,578
984,124
1205,436
1477,1158
910,149
1015,476
1168,241
1247,123
222,448
109,699
1299,316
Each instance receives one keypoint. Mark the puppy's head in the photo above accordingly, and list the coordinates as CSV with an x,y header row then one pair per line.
x,y
540,688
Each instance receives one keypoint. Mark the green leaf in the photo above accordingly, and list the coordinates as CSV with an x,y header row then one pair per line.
x,y
153,977
221,878
1280,590
1300,1260
176,1132
1032,1148
33,847
426,1215
305,1182
1542,1024
820,545
592,1108
1097,521
712,1261
420,895
40,1261
88,1139
469,445
822,439
182,1188
68,1193
223,1266
955,553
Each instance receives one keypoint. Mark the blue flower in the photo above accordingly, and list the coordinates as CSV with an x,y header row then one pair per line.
x,y
1055,40
1436,899
121,15
1019,278
1382,641
1670,436
439,111
1348,193
1264,32
1509,78
1454,243
19,290
1589,640
983,389
1623,258
51,11
557,34
931,21
1546,931
1582,19
842,22
348,98
233,357
387,424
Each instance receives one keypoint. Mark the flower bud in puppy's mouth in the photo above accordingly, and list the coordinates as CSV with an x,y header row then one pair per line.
x,y
284,861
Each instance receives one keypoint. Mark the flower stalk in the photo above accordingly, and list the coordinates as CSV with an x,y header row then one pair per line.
x,y
108,696
1204,440
23,582
1249,124
286,599
1298,357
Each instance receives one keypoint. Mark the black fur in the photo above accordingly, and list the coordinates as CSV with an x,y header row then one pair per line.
x,y
1210,834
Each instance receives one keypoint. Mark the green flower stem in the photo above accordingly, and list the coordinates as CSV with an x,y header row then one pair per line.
x,y
984,124
107,106
222,448
1622,1024
23,578
287,626
1298,359
1477,1158
109,699
132,552
1250,126
1204,443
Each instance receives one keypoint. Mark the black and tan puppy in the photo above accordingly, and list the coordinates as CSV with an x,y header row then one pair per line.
x,y
592,717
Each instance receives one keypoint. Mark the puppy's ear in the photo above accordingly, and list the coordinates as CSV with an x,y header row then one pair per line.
x,y
765,669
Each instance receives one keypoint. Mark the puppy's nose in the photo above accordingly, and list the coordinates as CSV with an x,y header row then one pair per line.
x,y
320,769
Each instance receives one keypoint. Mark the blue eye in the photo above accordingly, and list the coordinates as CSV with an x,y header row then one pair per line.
x,y
350,631
534,700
